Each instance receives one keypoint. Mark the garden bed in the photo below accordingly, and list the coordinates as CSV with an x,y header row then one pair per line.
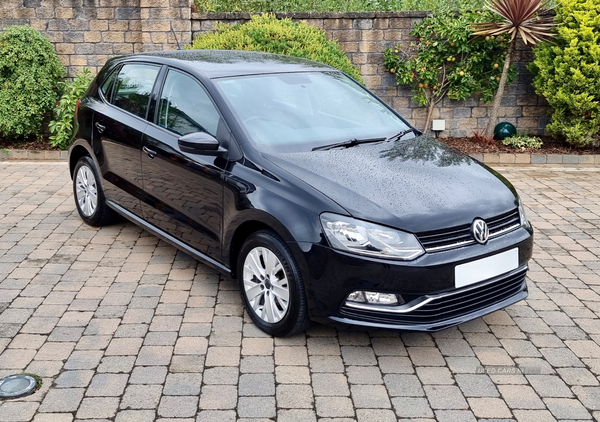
x,y
551,146
29,144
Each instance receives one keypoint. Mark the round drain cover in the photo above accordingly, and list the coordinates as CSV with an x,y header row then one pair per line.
x,y
17,386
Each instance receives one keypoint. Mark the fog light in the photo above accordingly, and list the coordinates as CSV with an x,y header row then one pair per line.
x,y
375,298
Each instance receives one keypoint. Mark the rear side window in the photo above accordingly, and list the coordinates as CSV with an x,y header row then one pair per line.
x,y
133,87
185,107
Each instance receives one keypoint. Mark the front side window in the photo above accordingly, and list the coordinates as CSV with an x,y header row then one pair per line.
x,y
289,112
133,87
185,106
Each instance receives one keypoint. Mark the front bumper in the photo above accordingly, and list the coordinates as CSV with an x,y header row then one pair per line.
x,y
427,284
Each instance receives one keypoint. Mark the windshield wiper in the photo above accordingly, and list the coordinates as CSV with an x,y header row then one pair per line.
x,y
349,143
398,135
354,142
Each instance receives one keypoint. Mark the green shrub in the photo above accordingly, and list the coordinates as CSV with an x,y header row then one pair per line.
x,y
522,141
30,73
334,5
568,72
62,126
281,36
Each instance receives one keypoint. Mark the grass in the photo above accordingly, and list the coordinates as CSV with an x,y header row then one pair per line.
x,y
334,5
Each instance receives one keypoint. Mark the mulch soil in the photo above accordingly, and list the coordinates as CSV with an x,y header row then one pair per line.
x,y
550,146
467,144
31,143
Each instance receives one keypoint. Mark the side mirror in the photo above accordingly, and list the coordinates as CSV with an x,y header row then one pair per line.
x,y
200,143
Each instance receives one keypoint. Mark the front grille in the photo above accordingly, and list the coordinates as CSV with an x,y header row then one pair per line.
x,y
448,306
458,236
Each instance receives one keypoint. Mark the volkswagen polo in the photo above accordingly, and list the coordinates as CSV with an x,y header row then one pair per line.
x,y
291,177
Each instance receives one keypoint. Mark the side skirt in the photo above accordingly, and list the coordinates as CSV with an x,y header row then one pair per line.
x,y
168,238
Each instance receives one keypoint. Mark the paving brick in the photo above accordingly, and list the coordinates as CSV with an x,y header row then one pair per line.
x,y
330,384
218,397
334,407
403,385
73,379
178,406
62,400
412,407
370,396
294,396
107,385
521,397
476,385
549,386
17,411
148,375
563,408
445,397
489,408
222,375
256,407
141,397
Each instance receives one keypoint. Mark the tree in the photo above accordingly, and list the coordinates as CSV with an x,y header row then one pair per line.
x,y
447,61
518,19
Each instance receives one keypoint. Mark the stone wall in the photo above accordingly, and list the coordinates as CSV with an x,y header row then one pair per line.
x,y
364,36
88,32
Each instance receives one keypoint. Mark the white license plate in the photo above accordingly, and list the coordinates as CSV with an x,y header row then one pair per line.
x,y
483,269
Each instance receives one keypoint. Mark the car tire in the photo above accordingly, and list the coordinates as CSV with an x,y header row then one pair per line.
x,y
88,194
267,275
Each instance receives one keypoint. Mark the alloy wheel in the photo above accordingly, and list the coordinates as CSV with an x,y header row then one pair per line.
x,y
266,285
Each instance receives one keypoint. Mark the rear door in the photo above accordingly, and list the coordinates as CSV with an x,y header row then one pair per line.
x,y
118,126
184,192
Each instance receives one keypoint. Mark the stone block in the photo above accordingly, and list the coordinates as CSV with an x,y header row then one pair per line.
x,y
570,159
554,158
538,158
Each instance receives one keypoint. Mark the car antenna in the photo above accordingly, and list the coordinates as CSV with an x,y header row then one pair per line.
x,y
176,40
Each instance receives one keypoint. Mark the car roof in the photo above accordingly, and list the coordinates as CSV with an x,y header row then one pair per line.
x,y
224,63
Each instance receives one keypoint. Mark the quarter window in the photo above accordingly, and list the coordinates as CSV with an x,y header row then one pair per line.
x,y
107,85
185,106
133,88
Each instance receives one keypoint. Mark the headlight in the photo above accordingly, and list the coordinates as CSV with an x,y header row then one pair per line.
x,y
356,236
522,215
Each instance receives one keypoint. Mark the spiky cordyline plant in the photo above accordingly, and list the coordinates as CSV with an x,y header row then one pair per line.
x,y
519,18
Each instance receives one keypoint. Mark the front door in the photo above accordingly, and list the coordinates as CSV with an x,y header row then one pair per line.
x,y
183,192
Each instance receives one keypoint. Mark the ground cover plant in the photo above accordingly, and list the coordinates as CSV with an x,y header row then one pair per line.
x,y
568,73
30,73
268,34
446,61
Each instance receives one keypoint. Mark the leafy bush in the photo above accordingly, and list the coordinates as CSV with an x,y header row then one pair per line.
x,y
30,73
62,126
568,72
334,5
281,36
448,61
522,141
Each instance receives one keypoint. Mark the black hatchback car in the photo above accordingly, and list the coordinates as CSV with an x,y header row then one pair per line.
x,y
290,176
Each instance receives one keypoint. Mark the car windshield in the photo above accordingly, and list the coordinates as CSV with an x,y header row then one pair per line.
x,y
292,112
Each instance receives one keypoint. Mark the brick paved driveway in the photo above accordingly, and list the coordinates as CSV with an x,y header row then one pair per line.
x,y
122,327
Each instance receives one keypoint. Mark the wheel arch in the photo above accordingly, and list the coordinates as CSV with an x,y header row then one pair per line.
x,y
244,228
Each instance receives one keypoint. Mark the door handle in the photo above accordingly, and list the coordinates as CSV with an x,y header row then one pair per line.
x,y
100,127
149,152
